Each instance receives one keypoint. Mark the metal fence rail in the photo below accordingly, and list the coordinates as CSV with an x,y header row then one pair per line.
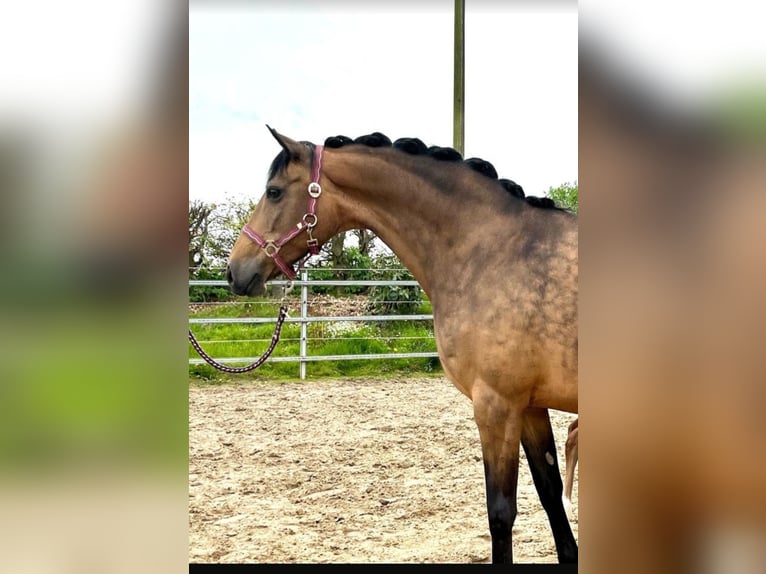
x,y
303,358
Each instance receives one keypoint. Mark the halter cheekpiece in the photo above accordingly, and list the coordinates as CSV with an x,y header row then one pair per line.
x,y
307,223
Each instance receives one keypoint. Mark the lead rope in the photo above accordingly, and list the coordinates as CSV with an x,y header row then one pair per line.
x,y
274,340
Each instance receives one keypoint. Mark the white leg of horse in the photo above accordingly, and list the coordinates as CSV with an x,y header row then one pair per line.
x,y
571,461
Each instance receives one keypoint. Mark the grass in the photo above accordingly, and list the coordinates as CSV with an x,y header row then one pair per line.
x,y
324,338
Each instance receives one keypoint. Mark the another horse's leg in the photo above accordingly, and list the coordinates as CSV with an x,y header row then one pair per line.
x,y
540,448
500,432
570,455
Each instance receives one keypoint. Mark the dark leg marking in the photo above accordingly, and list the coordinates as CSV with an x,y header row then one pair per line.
x,y
501,511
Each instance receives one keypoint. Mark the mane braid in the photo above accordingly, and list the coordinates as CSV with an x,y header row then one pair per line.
x,y
375,139
545,202
337,141
512,187
412,146
444,153
482,166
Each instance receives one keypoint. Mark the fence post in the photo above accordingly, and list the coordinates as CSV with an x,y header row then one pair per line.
x,y
304,323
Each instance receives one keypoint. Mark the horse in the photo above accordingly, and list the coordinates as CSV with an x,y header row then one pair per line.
x,y
499,268
570,456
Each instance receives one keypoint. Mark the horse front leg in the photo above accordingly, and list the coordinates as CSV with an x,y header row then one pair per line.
x,y
540,447
499,426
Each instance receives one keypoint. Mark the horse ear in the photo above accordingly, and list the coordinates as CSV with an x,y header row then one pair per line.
x,y
292,147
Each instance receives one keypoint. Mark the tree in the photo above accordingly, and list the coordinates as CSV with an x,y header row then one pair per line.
x,y
366,240
565,195
337,246
229,220
213,229
199,231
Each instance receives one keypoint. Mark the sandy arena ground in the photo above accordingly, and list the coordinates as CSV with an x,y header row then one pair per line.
x,y
377,470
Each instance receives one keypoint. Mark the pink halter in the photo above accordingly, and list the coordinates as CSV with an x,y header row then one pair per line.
x,y
308,222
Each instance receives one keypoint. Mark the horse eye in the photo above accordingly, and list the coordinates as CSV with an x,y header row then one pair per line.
x,y
273,193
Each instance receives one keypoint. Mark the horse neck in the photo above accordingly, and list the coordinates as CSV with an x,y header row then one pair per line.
x,y
424,214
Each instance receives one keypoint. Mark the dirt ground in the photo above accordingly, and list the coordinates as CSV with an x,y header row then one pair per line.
x,y
348,471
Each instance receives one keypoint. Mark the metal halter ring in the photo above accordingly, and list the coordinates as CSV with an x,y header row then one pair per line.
x,y
315,190
310,223
274,246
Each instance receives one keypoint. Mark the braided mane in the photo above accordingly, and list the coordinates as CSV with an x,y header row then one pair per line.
x,y
415,146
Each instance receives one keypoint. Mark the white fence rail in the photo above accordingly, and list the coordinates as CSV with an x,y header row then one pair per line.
x,y
303,358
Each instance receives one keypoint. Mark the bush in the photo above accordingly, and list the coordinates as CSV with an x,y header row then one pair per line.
x,y
354,266
393,299
205,294
565,196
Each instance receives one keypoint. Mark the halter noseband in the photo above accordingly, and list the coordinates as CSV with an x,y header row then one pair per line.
x,y
307,222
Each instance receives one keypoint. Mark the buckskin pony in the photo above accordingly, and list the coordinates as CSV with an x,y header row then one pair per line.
x,y
499,268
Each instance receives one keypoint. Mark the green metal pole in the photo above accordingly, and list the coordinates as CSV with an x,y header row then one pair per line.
x,y
458,116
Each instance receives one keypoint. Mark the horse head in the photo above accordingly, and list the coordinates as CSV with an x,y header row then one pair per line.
x,y
287,222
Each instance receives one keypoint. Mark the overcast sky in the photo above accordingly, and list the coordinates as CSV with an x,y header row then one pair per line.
x,y
312,71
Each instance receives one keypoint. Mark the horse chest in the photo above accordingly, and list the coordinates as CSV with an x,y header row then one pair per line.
x,y
487,350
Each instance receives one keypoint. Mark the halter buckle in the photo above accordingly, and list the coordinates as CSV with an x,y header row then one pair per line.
x,y
287,289
315,190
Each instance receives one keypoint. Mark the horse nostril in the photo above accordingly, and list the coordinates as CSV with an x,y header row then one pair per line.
x,y
229,276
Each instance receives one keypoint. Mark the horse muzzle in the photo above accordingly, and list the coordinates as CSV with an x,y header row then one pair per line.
x,y
245,278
